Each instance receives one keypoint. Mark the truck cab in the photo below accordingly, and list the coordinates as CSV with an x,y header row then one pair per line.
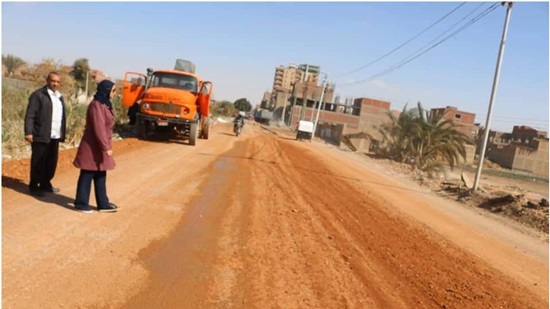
x,y
174,100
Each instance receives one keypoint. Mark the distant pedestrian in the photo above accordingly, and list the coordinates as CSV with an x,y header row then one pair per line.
x,y
132,113
95,152
45,126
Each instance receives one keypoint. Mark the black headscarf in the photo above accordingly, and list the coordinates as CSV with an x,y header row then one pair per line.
x,y
103,92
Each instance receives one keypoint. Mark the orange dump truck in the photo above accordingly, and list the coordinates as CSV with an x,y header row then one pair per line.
x,y
169,100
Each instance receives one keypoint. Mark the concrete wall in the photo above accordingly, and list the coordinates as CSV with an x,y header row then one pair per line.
x,y
331,133
531,160
362,144
350,122
503,155
470,154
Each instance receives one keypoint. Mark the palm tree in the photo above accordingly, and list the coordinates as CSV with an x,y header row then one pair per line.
x,y
12,63
396,134
436,139
424,140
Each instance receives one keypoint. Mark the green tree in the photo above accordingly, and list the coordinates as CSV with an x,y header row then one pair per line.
x,y
222,108
12,63
424,140
81,71
243,105
39,72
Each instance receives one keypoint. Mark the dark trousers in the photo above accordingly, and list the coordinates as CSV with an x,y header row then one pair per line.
x,y
43,164
85,185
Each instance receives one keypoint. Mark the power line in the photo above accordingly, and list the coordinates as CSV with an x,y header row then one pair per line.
x,y
514,118
403,44
413,56
419,52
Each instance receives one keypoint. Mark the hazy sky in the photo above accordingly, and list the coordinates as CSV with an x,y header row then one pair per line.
x,y
238,45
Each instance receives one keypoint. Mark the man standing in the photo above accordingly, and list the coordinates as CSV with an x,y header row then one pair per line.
x,y
45,127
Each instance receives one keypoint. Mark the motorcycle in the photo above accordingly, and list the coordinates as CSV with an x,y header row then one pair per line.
x,y
237,128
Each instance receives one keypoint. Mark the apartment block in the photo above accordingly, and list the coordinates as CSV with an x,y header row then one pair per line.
x,y
286,77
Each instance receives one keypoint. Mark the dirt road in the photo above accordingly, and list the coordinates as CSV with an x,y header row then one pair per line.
x,y
258,221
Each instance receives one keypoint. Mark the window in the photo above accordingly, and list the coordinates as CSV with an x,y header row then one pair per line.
x,y
174,81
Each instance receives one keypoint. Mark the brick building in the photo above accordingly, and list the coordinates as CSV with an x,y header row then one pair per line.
x,y
363,119
525,149
464,120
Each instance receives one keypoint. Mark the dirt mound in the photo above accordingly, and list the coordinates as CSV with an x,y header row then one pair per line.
x,y
510,201
522,208
519,208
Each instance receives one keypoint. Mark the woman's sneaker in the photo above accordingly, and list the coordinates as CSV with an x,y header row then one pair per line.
x,y
111,208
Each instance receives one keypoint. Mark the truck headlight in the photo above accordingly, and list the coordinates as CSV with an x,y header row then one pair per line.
x,y
146,106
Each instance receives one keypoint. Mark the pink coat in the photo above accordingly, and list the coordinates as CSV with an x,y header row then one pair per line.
x,y
97,139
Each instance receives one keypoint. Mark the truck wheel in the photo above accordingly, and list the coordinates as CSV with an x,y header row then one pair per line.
x,y
141,129
193,134
205,129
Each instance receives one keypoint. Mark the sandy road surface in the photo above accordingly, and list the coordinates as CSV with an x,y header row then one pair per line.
x,y
258,221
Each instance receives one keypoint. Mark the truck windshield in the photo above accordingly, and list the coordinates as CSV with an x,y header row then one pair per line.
x,y
175,81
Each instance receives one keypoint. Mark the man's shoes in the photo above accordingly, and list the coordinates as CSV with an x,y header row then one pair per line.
x,y
84,209
111,208
51,190
36,192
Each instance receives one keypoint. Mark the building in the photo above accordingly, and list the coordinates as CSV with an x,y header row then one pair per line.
x,y
525,149
286,77
311,73
464,120
97,76
359,123
266,99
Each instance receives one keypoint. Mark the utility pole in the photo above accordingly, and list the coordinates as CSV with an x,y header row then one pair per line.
x,y
304,103
320,103
493,95
284,111
315,102
304,98
293,103
87,73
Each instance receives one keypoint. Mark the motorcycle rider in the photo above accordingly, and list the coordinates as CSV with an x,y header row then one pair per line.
x,y
239,119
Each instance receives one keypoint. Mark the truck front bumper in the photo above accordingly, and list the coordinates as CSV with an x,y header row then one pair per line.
x,y
162,121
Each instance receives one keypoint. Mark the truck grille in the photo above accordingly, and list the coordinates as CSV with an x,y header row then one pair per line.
x,y
165,108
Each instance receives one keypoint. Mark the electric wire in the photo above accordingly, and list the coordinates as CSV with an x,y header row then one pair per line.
x,y
418,53
403,44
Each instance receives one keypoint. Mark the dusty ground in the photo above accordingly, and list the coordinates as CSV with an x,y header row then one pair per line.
x,y
258,221
525,201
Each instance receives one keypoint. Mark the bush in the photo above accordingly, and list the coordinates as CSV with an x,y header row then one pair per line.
x,y
14,106
76,120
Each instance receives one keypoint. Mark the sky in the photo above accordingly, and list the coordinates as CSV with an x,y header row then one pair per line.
x,y
237,46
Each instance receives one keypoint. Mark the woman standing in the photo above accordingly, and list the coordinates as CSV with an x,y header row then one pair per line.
x,y
95,153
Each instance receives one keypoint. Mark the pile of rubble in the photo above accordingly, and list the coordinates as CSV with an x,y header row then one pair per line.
x,y
509,201
528,209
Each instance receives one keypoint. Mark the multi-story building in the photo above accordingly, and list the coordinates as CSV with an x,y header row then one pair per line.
x,y
311,73
464,120
286,77
525,149
266,99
